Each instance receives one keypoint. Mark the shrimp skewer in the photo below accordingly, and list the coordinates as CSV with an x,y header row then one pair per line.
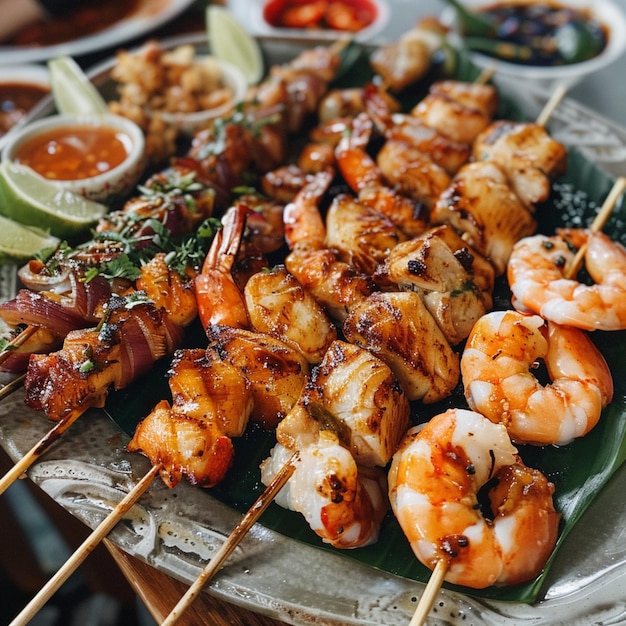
x,y
496,367
366,179
433,485
542,274
536,276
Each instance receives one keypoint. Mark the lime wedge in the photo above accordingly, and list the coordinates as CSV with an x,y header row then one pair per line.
x,y
73,92
27,198
18,243
230,42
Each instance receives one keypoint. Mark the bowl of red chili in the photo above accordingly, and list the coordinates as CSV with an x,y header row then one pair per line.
x,y
98,156
547,42
319,19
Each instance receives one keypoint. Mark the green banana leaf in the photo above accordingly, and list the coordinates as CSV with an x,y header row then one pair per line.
x,y
578,470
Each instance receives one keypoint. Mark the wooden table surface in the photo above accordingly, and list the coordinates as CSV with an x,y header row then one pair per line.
x,y
160,593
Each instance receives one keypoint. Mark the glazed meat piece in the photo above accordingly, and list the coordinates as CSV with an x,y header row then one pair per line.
x,y
528,155
480,204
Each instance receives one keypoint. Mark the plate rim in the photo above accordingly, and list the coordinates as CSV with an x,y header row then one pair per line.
x,y
133,26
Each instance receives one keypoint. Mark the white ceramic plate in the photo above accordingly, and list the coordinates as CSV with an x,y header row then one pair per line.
x,y
176,530
149,15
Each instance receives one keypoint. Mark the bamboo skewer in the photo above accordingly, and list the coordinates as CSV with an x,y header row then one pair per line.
x,y
101,531
551,104
12,386
38,449
598,223
21,339
430,593
248,520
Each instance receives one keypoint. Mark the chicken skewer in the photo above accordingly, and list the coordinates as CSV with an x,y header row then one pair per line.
x,y
103,366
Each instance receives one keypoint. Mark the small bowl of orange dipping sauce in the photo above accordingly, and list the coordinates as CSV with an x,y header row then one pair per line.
x,y
98,156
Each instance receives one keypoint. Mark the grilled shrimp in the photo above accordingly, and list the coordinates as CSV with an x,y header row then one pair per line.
x,y
191,438
454,281
434,481
397,327
365,178
527,154
346,426
278,305
458,110
344,504
480,204
332,282
537,274
496,368
219,298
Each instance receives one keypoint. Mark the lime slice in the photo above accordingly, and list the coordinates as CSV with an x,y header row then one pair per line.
x,y
35,201
230,42
18,243
73,92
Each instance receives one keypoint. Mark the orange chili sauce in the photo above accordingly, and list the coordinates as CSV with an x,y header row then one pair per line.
x,y
74,152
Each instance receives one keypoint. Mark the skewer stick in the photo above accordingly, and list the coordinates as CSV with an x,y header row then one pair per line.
x,y
337,46
10,387
598,223
430,593
551,104
21,339
38,449
99,533
248,520
485,76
